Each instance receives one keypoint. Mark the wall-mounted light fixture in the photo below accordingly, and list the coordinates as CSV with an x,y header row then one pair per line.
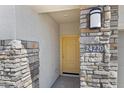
x,y
95,18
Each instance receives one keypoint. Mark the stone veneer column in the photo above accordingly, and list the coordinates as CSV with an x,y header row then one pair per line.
x,y
98,50
19,64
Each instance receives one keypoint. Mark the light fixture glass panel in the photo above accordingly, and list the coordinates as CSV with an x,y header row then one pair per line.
x,y
95,21
95,18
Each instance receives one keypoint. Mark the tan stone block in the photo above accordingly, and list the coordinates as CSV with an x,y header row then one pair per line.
x,y
107,8
88,77
113,46
88,30
82,78
107,15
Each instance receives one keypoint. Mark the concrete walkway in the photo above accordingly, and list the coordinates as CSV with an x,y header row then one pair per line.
x,y
67,82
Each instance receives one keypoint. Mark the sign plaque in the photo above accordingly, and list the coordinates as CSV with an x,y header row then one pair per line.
x,y
99,48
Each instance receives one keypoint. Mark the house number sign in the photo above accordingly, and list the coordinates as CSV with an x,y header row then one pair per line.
x,y
94,48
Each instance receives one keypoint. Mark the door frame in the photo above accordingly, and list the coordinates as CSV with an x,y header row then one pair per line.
x,y
61,39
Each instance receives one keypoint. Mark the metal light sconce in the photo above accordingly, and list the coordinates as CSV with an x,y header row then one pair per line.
x,y
95,18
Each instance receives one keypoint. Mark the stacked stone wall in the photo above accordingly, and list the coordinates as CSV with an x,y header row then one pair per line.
x,y
19,64
98,49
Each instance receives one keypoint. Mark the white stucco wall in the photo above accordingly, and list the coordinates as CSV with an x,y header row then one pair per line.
x,y
121,59
41,28
7,22
21,22
121,17
121,47
72,28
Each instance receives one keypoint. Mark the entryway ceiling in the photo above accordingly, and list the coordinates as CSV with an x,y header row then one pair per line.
x,y
61,13
54,8
66,16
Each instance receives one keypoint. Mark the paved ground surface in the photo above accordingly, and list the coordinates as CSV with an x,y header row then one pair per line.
x,y
67,82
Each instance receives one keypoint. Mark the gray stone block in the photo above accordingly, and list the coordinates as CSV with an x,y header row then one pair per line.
x,y
89,67
7,70
96,34
104,81
2,86
83,73
83,21
83,84
84,12
101,72
83,25
82,50
89,72
112,68
83,16
83,34
113,51
7,78
87,64
96,85
93,59
89,40
82,46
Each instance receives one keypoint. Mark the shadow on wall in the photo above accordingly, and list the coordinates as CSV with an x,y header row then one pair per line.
x,y
19,65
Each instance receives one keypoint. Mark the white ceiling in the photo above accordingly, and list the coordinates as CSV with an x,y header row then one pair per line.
x,y
66,16
53,8
61,13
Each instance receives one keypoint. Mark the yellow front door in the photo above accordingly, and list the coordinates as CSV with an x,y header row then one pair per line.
x,y
70,54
